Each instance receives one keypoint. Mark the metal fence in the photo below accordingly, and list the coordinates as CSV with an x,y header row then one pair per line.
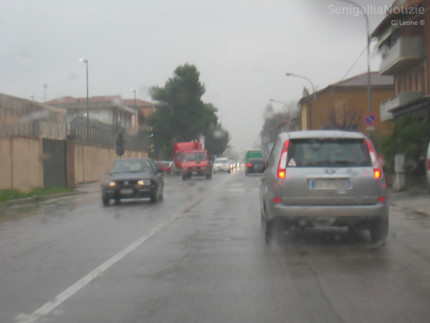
x,y
76,130
99,133
35,128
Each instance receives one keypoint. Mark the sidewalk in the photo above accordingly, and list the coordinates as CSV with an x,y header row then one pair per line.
x,y
415,201
94,187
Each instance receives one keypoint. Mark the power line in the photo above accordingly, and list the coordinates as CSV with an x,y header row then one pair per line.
x,y
355,62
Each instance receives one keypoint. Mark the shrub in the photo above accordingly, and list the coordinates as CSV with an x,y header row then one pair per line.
x,y
409,136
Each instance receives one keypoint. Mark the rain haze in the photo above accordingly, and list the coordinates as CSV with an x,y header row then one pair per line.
x,y
242,50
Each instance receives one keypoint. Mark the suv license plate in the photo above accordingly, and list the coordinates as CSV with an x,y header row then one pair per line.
x,y
330,184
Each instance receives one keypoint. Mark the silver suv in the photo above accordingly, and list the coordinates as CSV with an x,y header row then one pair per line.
x,y
324,178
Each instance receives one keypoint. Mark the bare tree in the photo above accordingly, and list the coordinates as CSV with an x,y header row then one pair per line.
x,y
346,118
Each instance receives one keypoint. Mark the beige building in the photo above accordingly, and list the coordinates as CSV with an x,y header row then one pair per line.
x,y
343,105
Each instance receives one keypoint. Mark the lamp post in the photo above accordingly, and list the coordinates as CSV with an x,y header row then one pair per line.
x,y
313,107
84,60
366,17
135,108
45,86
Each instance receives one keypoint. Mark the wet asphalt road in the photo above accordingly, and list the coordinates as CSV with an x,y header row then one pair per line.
x,y
199,256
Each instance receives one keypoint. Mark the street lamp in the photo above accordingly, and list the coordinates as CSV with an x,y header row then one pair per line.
x,y
313,107
135,107
84,60
277,101
366,17
285,104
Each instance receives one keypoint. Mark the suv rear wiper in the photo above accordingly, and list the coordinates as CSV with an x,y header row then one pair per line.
x,y
344,162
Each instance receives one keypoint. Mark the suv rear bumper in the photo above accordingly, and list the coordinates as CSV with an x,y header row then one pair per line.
x,y
316,213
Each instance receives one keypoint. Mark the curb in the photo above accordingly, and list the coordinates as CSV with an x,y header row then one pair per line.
x,y
29,201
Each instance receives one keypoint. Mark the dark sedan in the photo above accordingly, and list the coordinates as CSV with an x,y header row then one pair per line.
x,y
255,166
133,178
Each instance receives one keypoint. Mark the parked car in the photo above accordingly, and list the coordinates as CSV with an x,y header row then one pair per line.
x,y
428,166
133,178
324,178
255,166
221,164
165,166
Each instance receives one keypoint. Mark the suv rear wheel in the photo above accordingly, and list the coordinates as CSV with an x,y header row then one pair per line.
x,y
379,230
271,228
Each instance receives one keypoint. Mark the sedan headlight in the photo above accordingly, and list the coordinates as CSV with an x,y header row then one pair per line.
x,y
143,182
112,184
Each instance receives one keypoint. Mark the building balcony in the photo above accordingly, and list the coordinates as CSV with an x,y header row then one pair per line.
x,y
405,52
404,98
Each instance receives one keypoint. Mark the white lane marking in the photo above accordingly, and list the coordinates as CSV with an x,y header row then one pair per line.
x,y
81,283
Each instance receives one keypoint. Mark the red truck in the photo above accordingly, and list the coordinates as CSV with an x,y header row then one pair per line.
x,y
179,148
196,162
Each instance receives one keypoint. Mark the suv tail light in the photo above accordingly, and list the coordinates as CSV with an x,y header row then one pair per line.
x,y
377,171
282,166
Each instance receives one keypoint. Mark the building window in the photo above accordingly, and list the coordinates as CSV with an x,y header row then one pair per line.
x,y
412,82
421,80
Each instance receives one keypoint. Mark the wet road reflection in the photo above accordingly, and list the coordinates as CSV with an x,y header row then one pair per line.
x,y
199,255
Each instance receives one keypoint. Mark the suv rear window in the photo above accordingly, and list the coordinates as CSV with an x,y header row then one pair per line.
x,y
328,153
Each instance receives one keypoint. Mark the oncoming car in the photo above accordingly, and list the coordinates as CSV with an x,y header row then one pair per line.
x,y
327,178
196,162
221,164
133,178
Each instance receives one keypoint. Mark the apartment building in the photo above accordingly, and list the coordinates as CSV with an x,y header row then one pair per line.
x,y
404,45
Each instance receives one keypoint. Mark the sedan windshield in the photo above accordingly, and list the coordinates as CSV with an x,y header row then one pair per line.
x,y
132,166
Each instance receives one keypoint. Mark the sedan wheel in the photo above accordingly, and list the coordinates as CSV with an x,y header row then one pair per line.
x,y
155,195
105,201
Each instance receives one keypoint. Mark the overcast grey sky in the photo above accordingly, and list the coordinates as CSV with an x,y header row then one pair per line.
x,y
241,48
